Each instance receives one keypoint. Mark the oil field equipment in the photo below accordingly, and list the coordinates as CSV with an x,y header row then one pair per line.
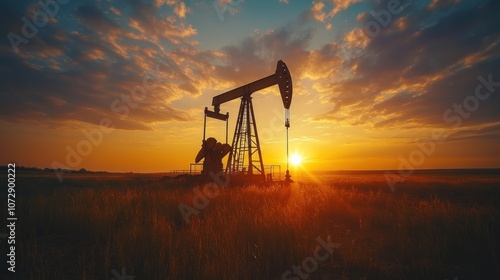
x,y
245,156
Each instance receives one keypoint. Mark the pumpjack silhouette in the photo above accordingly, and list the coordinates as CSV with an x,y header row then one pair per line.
x,y
245,156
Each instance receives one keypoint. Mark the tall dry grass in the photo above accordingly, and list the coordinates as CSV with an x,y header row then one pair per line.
x,y
88,228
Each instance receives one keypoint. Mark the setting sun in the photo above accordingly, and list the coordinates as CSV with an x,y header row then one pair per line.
x,y
296,159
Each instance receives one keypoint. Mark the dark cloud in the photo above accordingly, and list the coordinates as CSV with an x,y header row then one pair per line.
x,y
256,56
422,64
73,70
95,19
485,132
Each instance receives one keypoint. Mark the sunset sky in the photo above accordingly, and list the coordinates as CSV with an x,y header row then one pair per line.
x,y
367,93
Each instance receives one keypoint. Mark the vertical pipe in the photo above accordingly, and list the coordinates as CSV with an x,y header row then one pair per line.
x,y
287,149
205,123
249,135
287,125
227,125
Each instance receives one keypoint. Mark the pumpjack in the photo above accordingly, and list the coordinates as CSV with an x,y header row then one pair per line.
x,y
245,156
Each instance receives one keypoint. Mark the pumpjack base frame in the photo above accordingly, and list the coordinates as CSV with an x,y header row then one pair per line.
x,y
187,180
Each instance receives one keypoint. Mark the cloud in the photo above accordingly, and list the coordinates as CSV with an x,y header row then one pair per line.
x,y
340,5
76,71
318,8
441,4
93,18
181,10
244,62
410,75
488,131
317,11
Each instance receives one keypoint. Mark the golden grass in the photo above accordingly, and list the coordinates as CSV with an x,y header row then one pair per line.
x,y
253,232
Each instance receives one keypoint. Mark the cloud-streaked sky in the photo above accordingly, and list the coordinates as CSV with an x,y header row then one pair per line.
x,y
372,80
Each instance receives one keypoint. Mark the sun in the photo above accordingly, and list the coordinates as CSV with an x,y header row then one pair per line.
x,y
296,159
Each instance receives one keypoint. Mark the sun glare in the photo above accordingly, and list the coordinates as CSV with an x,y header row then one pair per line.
x,y
296,159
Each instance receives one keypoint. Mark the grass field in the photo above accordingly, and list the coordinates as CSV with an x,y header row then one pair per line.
x,y
434,226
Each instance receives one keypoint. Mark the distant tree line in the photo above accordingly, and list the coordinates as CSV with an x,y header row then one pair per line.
x,y
36,169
